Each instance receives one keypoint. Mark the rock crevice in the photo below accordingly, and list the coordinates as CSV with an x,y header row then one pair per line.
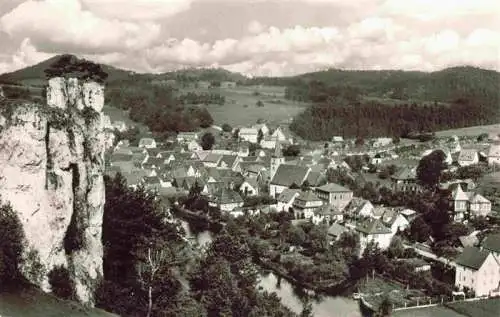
x,y
52,161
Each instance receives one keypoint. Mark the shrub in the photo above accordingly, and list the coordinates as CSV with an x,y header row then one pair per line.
x,y
11,246
61,283
33,268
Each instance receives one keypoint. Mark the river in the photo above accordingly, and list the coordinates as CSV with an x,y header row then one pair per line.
x,y
326,306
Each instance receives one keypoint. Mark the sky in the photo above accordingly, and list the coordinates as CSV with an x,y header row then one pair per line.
x,y
253,37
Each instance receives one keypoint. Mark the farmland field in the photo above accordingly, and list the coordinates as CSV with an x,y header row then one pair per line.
x,y
241,105
470,131
483,308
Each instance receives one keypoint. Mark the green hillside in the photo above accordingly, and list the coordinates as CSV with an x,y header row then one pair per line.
x,y
34,303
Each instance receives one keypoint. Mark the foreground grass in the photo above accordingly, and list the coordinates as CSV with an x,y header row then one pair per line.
x,y
34,303
438,311
483,308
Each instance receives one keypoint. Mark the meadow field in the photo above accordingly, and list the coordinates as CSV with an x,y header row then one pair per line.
x,y
241,107
470,131
483,308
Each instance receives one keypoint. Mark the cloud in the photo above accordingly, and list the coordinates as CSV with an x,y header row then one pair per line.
x,y
138,10
136,34
63,25
26,55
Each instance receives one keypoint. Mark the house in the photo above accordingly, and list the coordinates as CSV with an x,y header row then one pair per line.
x,y
327,213
468,157
212,160
243,150
405,180
249,134
380,142
249,187
262,127
185,137
286,198
228,161
359,208
279,135
468,204
335,195
338,140
494,153
268,142
286,176
194,146
477,270
459,200
120,126
470,240
335,231
479,205
395,221
305,204
491,243
147,143
225,199
373,230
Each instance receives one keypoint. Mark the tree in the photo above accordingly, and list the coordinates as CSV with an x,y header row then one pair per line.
x,y
148,268
61,283
419,230
359,141
291,150
430,168
396,248
207,141
226,127
260,103
260,136
479,222
385,308
295,235
11,246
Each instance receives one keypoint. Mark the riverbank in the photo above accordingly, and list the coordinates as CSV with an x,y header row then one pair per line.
x,y
342,288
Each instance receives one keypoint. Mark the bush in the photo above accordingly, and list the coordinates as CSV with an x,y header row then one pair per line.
x,y
61,283
11,246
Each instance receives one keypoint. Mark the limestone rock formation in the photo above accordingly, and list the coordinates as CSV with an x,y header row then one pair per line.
x,y
51,167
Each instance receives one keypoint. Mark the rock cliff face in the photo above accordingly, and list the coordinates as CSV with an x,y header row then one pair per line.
x,y
51,167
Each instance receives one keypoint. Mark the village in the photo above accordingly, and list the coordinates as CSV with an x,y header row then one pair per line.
x,y
341,186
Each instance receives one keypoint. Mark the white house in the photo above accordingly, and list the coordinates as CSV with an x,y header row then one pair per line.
x,y
305,204
373,230
286,199
494,153
395,221
226,200
120,126
327,213
249,187
468,157
479,205
359,208
184,137
249,134
262,127
193,146
279,135
478,270
335,195
148,143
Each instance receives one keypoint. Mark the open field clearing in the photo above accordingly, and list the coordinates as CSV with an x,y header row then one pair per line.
x,y
483,308
241,105
437,311
470,131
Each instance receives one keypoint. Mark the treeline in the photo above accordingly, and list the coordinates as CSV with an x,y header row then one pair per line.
x,y
157,108
323,120
192,98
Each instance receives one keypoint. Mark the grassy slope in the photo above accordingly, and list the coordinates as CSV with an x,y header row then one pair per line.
x,y
483,308
470,131
276,109
34,303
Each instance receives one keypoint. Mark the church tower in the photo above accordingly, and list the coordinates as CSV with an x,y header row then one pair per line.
x,y
276,159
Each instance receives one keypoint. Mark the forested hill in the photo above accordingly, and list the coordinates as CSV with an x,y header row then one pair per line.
x,y
35,76
441,86
394,103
